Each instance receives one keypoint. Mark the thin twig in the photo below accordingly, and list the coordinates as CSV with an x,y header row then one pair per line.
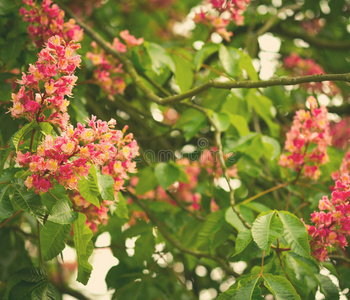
x,y
11,218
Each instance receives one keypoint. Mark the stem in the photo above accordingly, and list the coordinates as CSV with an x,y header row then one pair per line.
x,y
41,263
11,218
262,264
277,187
32,141
227,177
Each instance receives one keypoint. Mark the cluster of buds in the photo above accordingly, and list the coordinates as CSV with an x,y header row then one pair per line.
x,y
108,72
235,8
47,84
46,21
307,141
303,67
185,192
332,223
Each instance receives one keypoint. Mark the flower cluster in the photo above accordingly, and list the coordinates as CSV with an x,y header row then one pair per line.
x,y
307,141
69,156
340,133
46,20
227,11
108,72
185,191
303,67
235,8
43,91
94,215
332,222
314,26
84,8
214,24
344,167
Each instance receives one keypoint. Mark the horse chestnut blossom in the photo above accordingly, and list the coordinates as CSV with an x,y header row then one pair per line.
x,y
344,167
340,133
303,67
43,90
46,20
69,156
235,8
108,72
332,223
307,141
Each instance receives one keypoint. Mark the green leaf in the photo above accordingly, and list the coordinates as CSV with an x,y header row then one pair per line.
x,y
245,62
105,183
204,53
327,287
84,247
6,6
280,287
28,201
12,48
53,239
222,120
50,199
295,233
207,231
240,123
266,229
246,287
88,188
263,107
191,121
5,91
232,218
122,208
6,209
62,212
229,58
147,181
160,59
19,135
166,174
46,127
183,73
243,239
271,146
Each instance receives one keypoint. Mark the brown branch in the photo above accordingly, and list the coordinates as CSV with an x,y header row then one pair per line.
x,y
11,218
210,84
177,244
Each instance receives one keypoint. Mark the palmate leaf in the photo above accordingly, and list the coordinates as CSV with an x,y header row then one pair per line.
x,y
29,283
327,287
295,233
53,237
246,287
105,183
280,287
266,229
84,248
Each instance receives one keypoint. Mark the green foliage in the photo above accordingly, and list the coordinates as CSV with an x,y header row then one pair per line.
x,y
166,174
